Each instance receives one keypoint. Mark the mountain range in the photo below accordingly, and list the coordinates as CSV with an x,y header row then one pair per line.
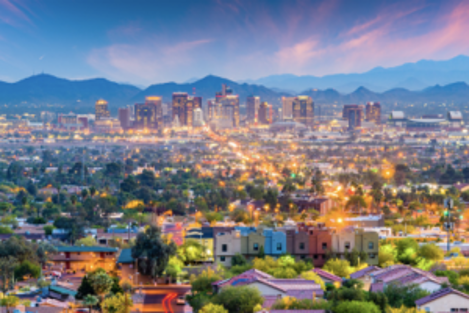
x,y
412,76
44,89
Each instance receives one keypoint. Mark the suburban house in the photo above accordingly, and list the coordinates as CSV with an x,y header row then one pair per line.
x,y
327,277
85,258
405,275
364,276
446,300
228,244
350,238
271,288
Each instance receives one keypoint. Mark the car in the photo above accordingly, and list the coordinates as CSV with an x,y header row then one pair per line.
x,y
181,300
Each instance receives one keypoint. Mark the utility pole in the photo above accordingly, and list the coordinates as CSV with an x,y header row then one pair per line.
x,y
449,204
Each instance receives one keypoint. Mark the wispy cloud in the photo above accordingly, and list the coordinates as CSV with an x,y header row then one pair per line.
x,y
13,14
147,61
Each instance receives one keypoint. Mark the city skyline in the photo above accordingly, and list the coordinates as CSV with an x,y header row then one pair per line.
x,y
240,40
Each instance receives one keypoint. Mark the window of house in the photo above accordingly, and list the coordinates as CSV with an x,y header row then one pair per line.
x,y
454,310
302,246
347,245
255,246
315,256
371,245
302,256
371,255
279,246
427,309
324,246
323,256
224,247
464,310
222,258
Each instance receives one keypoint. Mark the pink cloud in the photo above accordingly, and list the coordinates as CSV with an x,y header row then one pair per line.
x,y
148,61
376,42
12,14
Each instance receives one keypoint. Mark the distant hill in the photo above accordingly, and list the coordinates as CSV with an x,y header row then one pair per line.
x,y
48,89
207,87
412,76
81,95
455,92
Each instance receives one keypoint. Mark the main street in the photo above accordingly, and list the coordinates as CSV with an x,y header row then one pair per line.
x,y
162,299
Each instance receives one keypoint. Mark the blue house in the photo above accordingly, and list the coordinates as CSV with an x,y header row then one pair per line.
x,y
275,242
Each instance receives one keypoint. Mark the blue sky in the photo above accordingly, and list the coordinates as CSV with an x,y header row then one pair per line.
x,y
147,42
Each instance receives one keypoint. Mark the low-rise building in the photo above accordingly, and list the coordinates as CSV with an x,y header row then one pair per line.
x,y
85,258
446,300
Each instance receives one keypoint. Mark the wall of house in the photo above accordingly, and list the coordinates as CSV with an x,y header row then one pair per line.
x,y
430,286
363,239
233,242
272,240
319,244
446,303
343,241
266,290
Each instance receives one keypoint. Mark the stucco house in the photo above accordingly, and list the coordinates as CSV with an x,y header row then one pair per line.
x,y
446,300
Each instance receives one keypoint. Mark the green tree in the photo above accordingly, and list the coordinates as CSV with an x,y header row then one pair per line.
x,y
101,282
192,251
356,307
356,202
261,252
118,303
27,268
48,230
338,267
7,269
85,288
399,295
88,241
174,267
238,299
431,252
212,308
203,282
152,251
90,301
129,184
310,275
238,260
10,301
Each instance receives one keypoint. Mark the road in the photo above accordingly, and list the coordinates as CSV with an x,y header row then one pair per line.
x,y
162,299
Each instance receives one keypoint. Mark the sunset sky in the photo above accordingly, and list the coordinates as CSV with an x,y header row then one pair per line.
x,y
147,42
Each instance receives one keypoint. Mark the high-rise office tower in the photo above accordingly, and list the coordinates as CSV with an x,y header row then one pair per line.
x,y
183,107
229,104
287,105
146,116
264,113
252,107
124,116
198,117
156,101
373,112
354,114
101,109
303,110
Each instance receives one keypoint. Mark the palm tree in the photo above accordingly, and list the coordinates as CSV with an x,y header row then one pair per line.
x,y
90,301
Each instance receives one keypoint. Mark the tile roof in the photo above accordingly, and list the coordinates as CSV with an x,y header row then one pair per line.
x,y
97,249
327,275
377,287
125,256
438,294
63,290
365,271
